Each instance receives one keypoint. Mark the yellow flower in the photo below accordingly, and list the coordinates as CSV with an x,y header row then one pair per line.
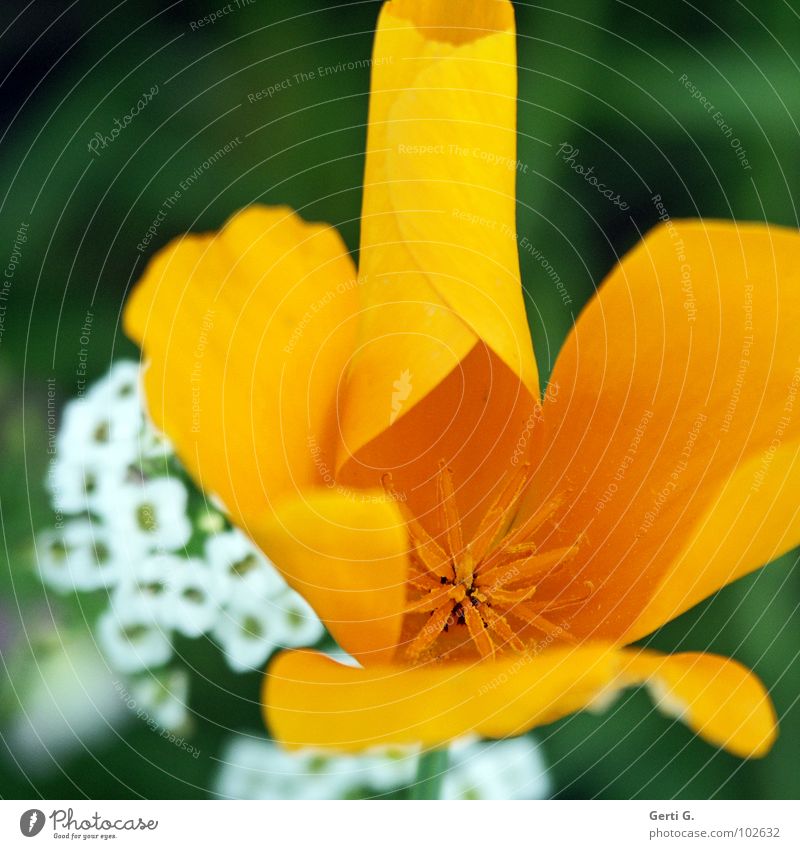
x,y
486,554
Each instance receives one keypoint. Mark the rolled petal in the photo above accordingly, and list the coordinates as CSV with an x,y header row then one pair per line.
x,y
310,700
441,292
246,334
674,424
716,697
347,554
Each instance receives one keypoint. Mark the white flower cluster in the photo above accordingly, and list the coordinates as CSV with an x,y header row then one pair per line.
x,y
124,525
257,769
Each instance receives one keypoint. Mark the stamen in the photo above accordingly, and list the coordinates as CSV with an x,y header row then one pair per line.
x,y
424,580
532,617
431,630
509,598
477,630
430,601
449,510
526,530
507,555
500,626
431,555
512,572
499,514
480,584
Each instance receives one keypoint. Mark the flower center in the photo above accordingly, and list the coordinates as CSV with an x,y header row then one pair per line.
x,y
493,589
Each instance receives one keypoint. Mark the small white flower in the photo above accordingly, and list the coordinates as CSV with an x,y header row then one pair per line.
x,y
296,621
163,697
153,445
77,488
496,769
132,640
258,769
120,387
191,604
247,633
96,435
77,556
320,775
144,589
150,515
241,568
389,768
248,771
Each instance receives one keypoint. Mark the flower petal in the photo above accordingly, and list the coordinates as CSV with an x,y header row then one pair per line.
x,y
310,700
227,322
716,697
479,421
346,553
438,256
673,425
744,528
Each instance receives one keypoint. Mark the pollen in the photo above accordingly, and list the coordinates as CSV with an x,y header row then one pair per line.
x,y
486,591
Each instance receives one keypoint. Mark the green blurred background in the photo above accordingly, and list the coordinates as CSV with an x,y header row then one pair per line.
x,y
604,77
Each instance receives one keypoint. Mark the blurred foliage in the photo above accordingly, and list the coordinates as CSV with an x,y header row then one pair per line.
x,y
601,76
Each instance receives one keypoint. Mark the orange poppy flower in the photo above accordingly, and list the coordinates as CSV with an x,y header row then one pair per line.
x,y
484,552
